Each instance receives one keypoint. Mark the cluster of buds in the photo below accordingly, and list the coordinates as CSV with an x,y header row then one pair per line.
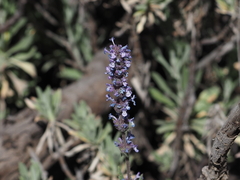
x,y
117,71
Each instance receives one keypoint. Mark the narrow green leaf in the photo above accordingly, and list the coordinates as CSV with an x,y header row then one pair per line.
x,y
25,55
166,127
158,96
174,61
198,125
79,32
70,73
161,83
104,133
228,88
20,23
39,91
22,45
73,124
48,65
35,171
184,79
56,100
175,65
85,48
23,171
159,58
185,54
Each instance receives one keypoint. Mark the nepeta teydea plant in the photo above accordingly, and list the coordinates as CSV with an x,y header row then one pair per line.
x,y
117,70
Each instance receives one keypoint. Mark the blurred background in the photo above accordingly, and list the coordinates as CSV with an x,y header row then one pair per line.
x,y
53,113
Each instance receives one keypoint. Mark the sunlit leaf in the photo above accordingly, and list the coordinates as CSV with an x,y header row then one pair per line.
x,y
206,98
226,6
4,88
19,84
188,147
140,25
211,94
25,66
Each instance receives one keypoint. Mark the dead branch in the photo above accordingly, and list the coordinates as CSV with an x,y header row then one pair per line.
x,y
187,104
217,168
217,53
47,16
217,38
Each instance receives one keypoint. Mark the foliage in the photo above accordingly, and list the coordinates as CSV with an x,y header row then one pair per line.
x,y
47,103
15,53
147,13
75,41
34,172
227,7
171,85
170,92
87,127
50,43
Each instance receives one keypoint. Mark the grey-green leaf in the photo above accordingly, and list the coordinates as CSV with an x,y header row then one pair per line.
x,y
158,96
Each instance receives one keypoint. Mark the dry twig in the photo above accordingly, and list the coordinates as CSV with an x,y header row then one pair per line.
x,y
186,106
46,14
217,53
217,168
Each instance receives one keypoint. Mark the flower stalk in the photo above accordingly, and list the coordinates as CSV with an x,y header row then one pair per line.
x,y
117,71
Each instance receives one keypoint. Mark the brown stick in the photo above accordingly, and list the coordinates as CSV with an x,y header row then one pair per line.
x,y
217,53
186,106
217,168
47,16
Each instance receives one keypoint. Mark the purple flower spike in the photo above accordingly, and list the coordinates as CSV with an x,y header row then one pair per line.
x,y
117,71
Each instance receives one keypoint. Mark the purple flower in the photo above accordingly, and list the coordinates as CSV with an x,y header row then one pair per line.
x,y
126,145
117,71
